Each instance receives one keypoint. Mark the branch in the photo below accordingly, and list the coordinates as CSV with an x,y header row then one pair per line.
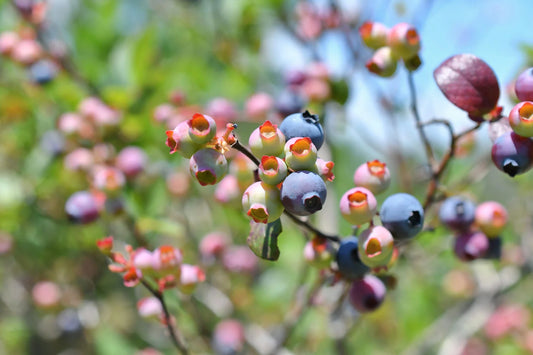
x,y
178,343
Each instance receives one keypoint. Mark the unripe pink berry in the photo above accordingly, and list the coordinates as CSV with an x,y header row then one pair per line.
x,y
358,205
149,307
107,178
258,106
79,159
239,259
319,252
325,169
373,175
167,259
374,34
272,170
163,112
8,41
228,190
213,244
208,166
142,259
404,41
46,294
202,128
262,202
300,154
376,246
491,218
228,337
382,63
267,139
70,122
131,160
190,276
521,119
367,294
222,110
26,51
317,90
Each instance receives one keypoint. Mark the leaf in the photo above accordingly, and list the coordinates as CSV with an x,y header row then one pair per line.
x,y
469,83
263,239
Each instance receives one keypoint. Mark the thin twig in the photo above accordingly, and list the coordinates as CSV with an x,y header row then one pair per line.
x,y
168,321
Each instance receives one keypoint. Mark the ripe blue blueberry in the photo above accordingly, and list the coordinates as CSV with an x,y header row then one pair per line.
x,y
348,260
303,193
303,125
402,215
42,71
81,207
457,213
289,102
512,153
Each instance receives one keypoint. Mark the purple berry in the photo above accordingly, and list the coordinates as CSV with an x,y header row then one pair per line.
x,y
402,215
289,102
131,160
471,245
303,193
512,153
81,207
303,125
348,260
457,213
367,294
208,166
523,86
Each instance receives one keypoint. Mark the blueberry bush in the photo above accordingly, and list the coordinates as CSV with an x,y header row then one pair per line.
x,y
200,177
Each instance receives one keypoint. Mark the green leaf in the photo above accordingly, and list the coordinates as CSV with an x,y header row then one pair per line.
x,y
263,239
340,91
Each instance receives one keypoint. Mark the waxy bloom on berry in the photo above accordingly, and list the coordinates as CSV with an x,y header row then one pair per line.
x,y
376,246
180,141
208,166
262,203
272,170
300,153
267,139
358,205
367,294
373,175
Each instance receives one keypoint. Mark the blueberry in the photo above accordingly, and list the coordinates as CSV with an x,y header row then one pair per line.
x,y
457,213
81,207
348,260
402,215
524,85
512,153
42,71
303,125
303,193
367,294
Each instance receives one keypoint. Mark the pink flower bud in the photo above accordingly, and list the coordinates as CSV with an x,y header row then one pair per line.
x,y
374,34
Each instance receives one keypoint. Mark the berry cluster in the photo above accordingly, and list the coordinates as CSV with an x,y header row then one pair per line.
x,y
401,42
477,229
512,151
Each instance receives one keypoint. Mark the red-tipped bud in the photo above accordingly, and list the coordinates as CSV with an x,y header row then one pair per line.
x,y
262,203
272,170
374,34
404,40
105,245
300,154
373,175
267,139
382,63
358,205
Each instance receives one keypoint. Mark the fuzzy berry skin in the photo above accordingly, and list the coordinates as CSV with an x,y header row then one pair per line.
x,y
208,166
382,63
303,125
521,119
179,140
358,205
491,218
81,207
202,128
404,41
402,215
300,154
523,86
376,245
512,153
303,193
374,34
267,139
262,203
367,294
457,213
350,265
471,245
272,170
373,175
